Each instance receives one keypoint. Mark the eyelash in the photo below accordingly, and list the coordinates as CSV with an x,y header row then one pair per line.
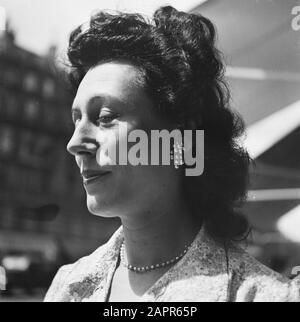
x,y
106,119
75,120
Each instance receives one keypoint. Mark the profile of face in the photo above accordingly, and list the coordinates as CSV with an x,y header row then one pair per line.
x,y
110,102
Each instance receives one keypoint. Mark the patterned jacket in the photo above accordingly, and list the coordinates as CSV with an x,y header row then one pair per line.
x,y
206,273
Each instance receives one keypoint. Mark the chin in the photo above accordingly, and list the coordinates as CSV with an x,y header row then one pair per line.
x,y
99,208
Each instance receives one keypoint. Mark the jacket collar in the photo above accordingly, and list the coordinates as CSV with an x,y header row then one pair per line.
x,y
202,274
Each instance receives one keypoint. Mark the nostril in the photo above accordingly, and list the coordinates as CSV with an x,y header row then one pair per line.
x,y
82,153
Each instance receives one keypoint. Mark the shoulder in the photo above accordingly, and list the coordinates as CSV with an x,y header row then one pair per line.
x,y
67,275
213,272
81,277
251,281
55,289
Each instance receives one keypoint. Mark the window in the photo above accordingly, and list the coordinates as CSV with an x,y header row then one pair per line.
x,y
11,104
49,88
30,82
31,109
7,140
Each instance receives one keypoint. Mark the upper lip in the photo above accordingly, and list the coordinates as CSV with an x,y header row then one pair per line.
x,y
87,174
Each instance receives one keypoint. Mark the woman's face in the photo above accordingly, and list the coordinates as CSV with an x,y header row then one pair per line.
x,y
110,103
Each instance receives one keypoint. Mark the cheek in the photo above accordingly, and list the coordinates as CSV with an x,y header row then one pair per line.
x,y
113,144
107,140
143,180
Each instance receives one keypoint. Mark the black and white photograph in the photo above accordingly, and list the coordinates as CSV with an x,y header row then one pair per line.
x,y
149,152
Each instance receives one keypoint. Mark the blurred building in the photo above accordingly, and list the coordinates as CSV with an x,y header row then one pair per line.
x,y
42,202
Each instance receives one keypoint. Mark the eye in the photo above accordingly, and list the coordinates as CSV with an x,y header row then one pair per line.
x,y
76,116
107,117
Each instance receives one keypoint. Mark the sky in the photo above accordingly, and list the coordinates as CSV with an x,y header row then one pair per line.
x,y
41,23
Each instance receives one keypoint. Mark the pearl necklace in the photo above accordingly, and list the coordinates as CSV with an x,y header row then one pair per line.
x,y
144,269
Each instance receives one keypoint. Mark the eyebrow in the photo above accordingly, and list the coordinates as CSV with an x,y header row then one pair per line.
x,y
76,106
104,98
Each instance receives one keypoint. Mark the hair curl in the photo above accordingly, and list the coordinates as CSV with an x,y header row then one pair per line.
x,y
184,74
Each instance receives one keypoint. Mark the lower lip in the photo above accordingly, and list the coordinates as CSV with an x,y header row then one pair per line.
x,y
95,179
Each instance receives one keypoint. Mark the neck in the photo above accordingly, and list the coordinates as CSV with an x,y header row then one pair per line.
x,y
160,238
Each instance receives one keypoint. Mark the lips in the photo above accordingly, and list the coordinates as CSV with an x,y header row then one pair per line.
x,y
90,176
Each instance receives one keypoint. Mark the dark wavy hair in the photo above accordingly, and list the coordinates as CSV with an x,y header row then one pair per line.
x,y
184,73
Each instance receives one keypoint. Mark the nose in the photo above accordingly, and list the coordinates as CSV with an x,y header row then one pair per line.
x,y
83,141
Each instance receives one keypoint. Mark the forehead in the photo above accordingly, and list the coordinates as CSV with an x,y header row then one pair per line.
x,y
114,79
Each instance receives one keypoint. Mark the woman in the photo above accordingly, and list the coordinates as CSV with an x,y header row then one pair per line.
x,y
179,233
